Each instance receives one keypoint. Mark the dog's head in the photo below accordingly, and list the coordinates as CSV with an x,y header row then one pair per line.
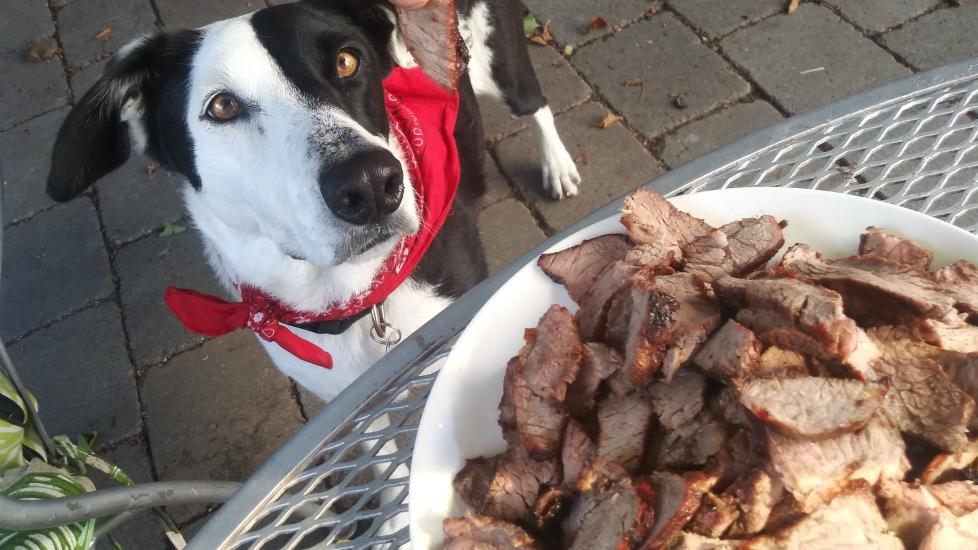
x,y
277,119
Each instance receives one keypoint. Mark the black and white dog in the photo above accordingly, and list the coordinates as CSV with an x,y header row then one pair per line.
x,y
267,115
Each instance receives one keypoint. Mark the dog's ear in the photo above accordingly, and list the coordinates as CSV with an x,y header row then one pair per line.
x,y
376,17
110,120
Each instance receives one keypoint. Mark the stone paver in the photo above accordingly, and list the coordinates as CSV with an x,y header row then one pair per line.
x,y
497,188
80,373
190,14
669,59
53,264
570,18
879,15
706,135
29,89
125,218
720,18
83,79
217,412
616,163
22,21
777,51
217,409
938,38
25,153
561,85
507,230
145,269
80,22
310,403
143,532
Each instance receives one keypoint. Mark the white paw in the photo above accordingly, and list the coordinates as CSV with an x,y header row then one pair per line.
x,y
560,177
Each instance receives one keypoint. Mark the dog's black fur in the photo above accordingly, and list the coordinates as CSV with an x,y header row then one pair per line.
x,y
94,141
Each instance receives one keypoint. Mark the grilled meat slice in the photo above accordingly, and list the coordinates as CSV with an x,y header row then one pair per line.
x,y
880,243
541,380
813,407
577,267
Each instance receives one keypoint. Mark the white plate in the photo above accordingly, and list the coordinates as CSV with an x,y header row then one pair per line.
x,y
459,420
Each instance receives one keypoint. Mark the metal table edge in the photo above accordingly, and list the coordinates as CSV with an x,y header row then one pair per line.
x,y
300,448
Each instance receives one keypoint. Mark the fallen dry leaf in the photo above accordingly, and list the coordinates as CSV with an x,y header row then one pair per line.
x,y
543,37
634,82
608,120
595,24
585,157
104,33
41,49
792,6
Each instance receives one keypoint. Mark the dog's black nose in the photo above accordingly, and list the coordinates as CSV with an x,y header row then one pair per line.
x,y
363,188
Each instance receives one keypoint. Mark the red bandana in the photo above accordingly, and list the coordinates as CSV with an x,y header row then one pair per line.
x,y
422,119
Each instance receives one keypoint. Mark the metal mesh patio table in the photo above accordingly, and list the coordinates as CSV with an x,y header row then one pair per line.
x,y
912,143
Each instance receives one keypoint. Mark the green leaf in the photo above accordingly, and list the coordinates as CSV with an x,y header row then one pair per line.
x,y
172,229
568,49
530,24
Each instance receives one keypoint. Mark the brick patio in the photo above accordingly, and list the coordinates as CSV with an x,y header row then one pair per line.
x,y
82,282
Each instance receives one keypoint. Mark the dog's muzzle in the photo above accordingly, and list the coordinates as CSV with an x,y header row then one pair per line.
x,y
364,188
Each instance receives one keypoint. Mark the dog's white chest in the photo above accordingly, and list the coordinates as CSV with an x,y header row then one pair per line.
x,y
354,351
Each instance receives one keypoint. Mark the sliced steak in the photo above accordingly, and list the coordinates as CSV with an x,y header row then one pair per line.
x,y
735,249
578,266
815,470
693,541
910,511
731,353
431,34
660,257
678,402
598,363
617,516
786,307
516,485
922,400
472,482
714,517
550,507
877,242
961,337
692,444
813,407
851,520
782,363
952,532
755,495
623,424
475,532
641,322
541,380
577,453
600,475
950,466
651,219
698,317
507,408
593,313
876,290
960,497
959,281
727,407
677,498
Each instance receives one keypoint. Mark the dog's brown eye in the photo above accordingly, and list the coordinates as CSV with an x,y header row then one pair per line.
x,y
346,64
223,107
